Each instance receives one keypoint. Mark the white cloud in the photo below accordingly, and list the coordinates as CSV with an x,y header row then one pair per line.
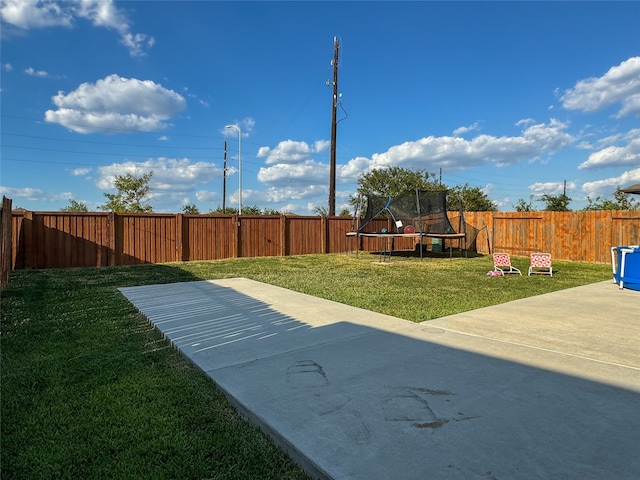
x,y
462,130
115,104
79,172
551,188
615,155
32,14
177,174
101,13
291,152
291,164
245,125
35,73
7,67
607,185
173,179
458,153
307,172
33,194
621,84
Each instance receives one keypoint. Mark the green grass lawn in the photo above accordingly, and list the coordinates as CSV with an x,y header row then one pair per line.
x,y
91,391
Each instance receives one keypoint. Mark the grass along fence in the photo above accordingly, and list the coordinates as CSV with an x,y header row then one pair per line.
x,y
68,239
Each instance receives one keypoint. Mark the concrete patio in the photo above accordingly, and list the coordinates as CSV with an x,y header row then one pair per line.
x,y
545,387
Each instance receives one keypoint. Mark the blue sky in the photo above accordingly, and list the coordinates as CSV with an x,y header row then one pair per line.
x,y
516,98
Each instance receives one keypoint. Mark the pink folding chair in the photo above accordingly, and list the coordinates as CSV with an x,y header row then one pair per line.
x,y
502,263
540,264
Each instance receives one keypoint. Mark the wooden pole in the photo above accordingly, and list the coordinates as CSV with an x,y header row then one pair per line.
x,y
334,128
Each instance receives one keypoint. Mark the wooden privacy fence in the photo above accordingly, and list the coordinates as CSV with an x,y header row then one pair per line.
x,y
69,239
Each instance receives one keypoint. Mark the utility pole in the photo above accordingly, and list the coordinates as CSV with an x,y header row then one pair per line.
x,y
334,128
224,180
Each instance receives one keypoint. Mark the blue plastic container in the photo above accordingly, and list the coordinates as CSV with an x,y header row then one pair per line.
x,y
626,266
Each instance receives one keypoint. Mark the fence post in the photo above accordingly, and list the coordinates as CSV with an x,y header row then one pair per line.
x,y
236,236
324,228
111,239
179,253
283,235
5,241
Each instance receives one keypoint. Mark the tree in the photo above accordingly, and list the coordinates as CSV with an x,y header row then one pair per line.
x,y
226,211
556,203
75,206
473,199
345,213
321,211
190,209
393,181
132,194
621,201
524,206
246,210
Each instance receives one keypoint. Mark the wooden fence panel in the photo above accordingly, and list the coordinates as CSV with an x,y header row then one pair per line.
x,y
337,228
142,238
625,227
208,237
260,236
304,235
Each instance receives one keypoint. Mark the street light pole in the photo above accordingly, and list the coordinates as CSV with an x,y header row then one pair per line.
x,y
239,166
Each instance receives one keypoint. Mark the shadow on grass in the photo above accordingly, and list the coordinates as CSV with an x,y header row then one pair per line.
x,y
91,390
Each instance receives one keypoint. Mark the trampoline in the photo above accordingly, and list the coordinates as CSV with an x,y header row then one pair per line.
x,y
418,215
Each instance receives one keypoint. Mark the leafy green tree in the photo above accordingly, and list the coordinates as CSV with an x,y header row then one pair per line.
x,y
473,199
394,181
621,201
246,210
321,211
345,213
226,211
251,210
556,203
131,195
524,206
75,206
190,209
270,211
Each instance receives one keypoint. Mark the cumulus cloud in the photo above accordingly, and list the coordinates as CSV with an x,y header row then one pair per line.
x,y
173,180
101,13
457,153
551,188
26,14
621,84
628,155
290,152
302,172
115,104
462,130
616,155
607,185
33,194
168,173
291,163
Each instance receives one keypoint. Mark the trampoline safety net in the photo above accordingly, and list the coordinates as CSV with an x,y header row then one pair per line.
x,y
415,212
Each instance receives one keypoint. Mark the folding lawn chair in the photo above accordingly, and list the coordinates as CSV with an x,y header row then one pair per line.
x,y
540,264
502,263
